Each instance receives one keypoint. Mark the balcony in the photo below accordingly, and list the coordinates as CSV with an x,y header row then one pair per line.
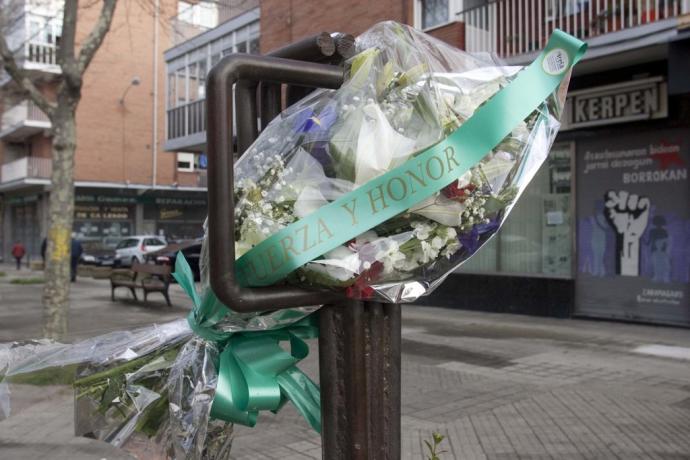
x,y
32,32
41,56
186,127
188,64
23,120
27,170
517,29
195,179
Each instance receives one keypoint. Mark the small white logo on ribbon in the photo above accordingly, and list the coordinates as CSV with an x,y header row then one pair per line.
x,y
555,62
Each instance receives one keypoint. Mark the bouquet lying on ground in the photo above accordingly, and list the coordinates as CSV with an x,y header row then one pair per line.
x,y
175,389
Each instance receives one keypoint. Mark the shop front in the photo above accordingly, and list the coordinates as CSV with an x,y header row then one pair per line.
x,y
176,217
603,230
23,216
104,216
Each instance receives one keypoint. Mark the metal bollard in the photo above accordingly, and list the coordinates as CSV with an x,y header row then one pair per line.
x,y
359,344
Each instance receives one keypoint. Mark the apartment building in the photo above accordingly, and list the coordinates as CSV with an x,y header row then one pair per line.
x,y
125,183
626,131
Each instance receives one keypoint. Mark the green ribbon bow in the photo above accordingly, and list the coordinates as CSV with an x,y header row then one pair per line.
x,y
254,372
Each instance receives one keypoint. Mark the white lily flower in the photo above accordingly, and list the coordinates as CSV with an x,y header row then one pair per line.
x,y
440,209
377,145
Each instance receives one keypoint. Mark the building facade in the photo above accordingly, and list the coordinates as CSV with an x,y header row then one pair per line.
x,y
125,183
626,132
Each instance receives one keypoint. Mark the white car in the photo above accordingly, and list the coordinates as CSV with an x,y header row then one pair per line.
x,y
134,248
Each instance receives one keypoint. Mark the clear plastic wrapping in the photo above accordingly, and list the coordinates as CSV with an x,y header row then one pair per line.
x,y
404,92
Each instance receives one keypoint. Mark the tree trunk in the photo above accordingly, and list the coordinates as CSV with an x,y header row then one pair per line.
x,y
61,215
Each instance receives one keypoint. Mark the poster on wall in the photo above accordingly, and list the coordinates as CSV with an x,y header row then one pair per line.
x,y
633,230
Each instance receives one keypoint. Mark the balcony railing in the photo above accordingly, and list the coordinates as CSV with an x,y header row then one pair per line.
x,y
41,53
515,27
22,120
26,167
187,119
196,178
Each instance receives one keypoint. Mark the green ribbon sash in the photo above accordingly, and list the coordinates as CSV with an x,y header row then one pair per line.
x,y
420,177
254,372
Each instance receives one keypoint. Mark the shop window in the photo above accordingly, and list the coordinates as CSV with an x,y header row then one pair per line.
x,y
536,238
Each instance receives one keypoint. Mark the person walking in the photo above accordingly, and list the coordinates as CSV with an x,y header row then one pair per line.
x,y
18,252
76,251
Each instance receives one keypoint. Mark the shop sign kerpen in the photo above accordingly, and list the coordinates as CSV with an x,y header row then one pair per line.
x,y
623,102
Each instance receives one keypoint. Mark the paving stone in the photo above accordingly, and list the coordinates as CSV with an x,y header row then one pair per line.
x,y
507,387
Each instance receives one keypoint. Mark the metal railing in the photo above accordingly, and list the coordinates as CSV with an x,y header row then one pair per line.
x,y
41,53
187,119
196,178
20,113
515,27
26,167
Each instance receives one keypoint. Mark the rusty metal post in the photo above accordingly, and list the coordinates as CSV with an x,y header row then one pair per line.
x,y
359,368
359,344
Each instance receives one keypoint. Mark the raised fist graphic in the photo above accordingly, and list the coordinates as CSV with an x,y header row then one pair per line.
x,y
628,214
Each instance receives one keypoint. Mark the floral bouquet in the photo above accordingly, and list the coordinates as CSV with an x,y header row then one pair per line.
x,y
379,189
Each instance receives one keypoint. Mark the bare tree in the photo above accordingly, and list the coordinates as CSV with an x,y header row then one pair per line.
x,y
62,114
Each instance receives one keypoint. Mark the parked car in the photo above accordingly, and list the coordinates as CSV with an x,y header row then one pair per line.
x,y
100,252
134,248
168,255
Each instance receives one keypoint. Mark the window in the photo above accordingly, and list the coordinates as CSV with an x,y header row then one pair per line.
x,y
185,162
180,87
434,13
203,70
536,238
187,73
254,46
171,90
193,81
128,243
201,13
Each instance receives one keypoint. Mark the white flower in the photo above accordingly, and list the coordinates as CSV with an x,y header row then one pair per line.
x,y
437,243
451,233
428,253
378,144
390,256
422,231
451,249
440,209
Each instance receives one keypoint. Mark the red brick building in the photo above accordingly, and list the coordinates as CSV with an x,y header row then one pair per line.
x,y
125,183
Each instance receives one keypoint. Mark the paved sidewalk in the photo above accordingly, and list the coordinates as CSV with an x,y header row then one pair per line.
x,y
498,386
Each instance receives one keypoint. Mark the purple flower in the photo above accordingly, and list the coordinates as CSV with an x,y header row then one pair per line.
x,y
309,122
471,240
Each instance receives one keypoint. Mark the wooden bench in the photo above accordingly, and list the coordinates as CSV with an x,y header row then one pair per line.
x,y
148,277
